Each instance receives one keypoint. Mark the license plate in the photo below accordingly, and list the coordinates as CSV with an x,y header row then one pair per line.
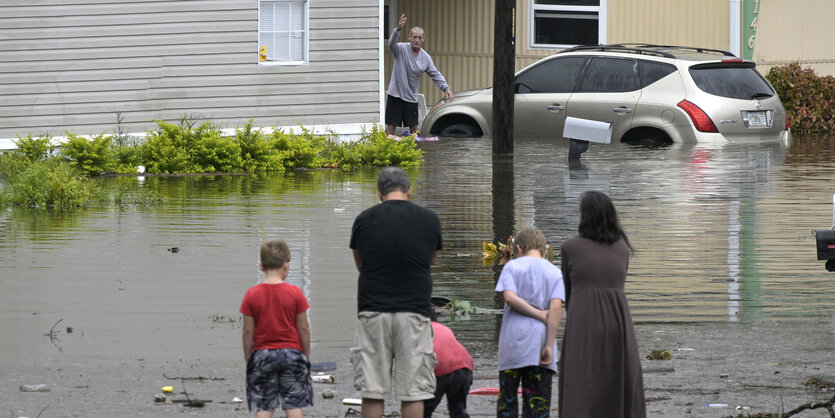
x,y
757,119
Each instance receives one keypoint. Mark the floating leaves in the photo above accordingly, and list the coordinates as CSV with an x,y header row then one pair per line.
x,y
659,355
459,309
501,252
504,252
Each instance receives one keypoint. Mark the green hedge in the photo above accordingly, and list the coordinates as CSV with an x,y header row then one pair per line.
x,y
808,98
41,174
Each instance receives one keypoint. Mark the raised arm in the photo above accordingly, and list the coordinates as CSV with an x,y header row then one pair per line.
x,y
522,306
395,34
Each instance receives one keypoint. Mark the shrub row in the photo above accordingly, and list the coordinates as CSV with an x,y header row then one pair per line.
x,y
190,148
809,99
42,174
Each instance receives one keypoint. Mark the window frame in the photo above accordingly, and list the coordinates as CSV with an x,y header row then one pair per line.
x,y
533,8
305,33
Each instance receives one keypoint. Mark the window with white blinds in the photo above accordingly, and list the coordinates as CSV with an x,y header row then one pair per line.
x,y
283,31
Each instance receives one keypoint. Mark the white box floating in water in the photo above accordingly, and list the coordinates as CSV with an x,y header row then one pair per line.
x,y
587,130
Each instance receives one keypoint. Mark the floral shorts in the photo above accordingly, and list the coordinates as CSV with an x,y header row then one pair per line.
x,y
278,378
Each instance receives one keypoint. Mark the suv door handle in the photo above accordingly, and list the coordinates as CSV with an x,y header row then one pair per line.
x,y
555,107
622,110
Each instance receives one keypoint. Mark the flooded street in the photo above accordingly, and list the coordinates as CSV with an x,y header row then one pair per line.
x,y
723,238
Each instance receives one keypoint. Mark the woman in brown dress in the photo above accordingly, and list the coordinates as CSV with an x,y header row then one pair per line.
x,y
599,367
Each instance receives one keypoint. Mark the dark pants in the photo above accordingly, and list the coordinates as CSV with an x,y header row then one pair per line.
x,y
456,387
399,111
536,392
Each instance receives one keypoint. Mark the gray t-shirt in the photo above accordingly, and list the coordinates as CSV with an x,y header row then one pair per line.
x,y
408,68
521,338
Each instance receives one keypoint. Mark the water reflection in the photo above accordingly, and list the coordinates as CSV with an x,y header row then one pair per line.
x,y
721,234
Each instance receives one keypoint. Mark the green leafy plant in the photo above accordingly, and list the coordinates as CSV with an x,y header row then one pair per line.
x,y
503,252
376,149
808,98
34,148
91,156
217,154
52,184
257,154
299,151
174,148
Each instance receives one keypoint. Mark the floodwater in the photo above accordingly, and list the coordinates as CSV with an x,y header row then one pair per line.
x,y
722,234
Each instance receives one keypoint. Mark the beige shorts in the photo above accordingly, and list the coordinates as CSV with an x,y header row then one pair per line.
x,y
398,342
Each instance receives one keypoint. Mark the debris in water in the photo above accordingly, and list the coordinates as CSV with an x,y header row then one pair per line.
x,y
34,388
659,355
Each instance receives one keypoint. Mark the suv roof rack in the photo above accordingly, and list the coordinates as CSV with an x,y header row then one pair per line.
x,y
619,48
676,47
649,49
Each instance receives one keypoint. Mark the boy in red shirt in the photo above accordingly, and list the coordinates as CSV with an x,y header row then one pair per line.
x,y
276,339
454,373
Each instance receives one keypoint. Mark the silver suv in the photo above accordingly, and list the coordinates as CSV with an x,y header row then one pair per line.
x,y
652,93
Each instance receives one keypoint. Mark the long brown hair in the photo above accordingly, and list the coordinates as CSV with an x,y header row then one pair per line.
x,y
599,219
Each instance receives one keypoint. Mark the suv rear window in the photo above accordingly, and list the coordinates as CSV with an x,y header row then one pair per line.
x,y
651,71
736,82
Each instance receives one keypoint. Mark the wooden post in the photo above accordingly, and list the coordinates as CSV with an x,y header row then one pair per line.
x,y
504,220
504,59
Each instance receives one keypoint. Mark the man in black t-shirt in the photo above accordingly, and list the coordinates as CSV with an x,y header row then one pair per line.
x,y
394,244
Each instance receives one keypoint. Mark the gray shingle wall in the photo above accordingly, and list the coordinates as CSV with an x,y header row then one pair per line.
x,y
72,64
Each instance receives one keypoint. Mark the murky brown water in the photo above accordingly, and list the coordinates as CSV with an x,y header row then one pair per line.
x,y
722,234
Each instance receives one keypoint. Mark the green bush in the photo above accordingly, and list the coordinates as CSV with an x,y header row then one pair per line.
x,y
34,149
52,184
256,153
127,159
217,154
91,156
809,99
12,164
174,148
378,150
298,151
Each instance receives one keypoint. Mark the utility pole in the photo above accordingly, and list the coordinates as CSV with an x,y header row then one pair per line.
x,y
504,60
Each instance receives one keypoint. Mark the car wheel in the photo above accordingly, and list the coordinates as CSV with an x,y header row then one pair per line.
x,y
647,137
462,130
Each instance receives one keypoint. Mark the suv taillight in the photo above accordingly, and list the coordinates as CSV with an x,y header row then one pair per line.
x,y
787,123
700,119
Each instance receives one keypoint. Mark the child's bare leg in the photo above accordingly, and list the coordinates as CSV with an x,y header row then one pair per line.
x,y
294,413
264,414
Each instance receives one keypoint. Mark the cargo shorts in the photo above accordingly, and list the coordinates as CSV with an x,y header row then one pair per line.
x,y
278,378
398,344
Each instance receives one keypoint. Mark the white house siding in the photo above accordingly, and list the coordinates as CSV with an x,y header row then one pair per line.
x,y
73,64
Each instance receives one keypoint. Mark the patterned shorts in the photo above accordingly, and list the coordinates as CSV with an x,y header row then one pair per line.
x,y
278,378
